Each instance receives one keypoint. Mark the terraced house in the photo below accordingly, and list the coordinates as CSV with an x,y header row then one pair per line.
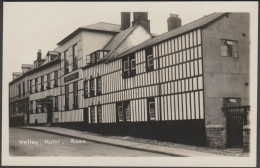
x,y
188,85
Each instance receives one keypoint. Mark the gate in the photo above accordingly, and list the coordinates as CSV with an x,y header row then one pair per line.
x,y
236,118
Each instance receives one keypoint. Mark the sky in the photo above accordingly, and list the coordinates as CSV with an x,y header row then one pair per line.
x,y
29,26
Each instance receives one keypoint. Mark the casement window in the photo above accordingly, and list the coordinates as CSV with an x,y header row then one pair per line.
x,y
86,90
23,88
123,111
151,109
55,79
75,95
93,58
92,114
55,103
92,87
36,85
96,56
42,83
66,97
129,66
99,86
229,48
74,52
231,102
99,113
31,86
48,82
66,62
149,59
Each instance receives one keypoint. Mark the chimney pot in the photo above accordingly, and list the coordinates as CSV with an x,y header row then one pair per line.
x,y
39,55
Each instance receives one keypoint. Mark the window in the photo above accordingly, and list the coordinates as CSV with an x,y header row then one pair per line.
x,y
23,88
123,111
75,95
55,79
99,112
229,48
151,109
92,88
149,58
99,86
42,83
19,89
66,97
120,113
31,107
85,89
92,112
74,52
55,103
31,86
66,62
231,102
129,66
48,82
93,58
37,107
36,85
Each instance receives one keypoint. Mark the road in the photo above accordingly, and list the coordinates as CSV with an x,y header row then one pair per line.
x,y
33,143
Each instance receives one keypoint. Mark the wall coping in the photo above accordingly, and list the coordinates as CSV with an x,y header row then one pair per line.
x,y
215,126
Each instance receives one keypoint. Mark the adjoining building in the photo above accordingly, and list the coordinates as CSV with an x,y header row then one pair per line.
x,y
188,85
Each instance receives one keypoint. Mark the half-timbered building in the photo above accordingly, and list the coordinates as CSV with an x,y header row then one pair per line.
x,y
178,86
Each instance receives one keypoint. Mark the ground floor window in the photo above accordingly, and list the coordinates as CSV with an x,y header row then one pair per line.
x,y
123,111
99,112
151,109
231,101
92,113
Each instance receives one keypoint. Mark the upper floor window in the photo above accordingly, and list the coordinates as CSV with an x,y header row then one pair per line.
x,y
86,90
149,58
229,48
19,89
66,62
23,88
36,84
231,101
92,87
74,54
129,66
42,83
30,86
55,79
99,86
96,56
48,81
151,109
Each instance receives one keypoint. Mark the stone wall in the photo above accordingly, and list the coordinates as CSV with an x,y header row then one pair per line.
x,y
246,138
216,136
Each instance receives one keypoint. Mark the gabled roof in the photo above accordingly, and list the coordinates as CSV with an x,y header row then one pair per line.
x,y
175,32
100,27
113,44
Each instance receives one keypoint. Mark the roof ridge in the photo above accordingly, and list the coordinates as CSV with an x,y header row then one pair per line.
x,y
110,23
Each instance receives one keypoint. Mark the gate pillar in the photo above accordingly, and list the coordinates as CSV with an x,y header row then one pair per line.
x,y
216,136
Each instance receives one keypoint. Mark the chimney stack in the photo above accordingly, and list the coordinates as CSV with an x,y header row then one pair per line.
x,y
16,75
141,18
125,20
26,67
173,22
39,55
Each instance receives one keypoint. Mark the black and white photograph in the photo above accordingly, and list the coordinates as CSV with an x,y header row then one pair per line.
x,y
129,83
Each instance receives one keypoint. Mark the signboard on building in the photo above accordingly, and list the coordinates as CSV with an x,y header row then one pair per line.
x,y
71,77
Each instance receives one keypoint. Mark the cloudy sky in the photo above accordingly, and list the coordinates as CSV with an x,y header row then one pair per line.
x,y
29,26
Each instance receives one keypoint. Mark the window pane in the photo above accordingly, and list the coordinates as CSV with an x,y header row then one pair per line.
x,y
133,64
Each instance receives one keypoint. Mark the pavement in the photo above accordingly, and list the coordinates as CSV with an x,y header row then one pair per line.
x,y
166,150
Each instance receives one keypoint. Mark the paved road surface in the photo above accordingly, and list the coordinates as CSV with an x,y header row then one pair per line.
x,y
33,143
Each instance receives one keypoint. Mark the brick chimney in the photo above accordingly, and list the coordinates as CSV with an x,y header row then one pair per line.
x,y
39,55
26,67
16,75
141,18
173,22
125,20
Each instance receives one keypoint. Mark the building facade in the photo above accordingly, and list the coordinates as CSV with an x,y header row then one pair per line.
x,y
183,86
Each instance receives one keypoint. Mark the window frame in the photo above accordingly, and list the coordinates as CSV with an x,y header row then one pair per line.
x,y
149,56
75,96
230,48
99,114
92,119
92,87
86,89
55,84
66,97
149,102
48,81
99,88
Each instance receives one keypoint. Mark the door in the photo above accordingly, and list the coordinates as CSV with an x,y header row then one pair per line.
x,y
236,119
85,116
49,113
